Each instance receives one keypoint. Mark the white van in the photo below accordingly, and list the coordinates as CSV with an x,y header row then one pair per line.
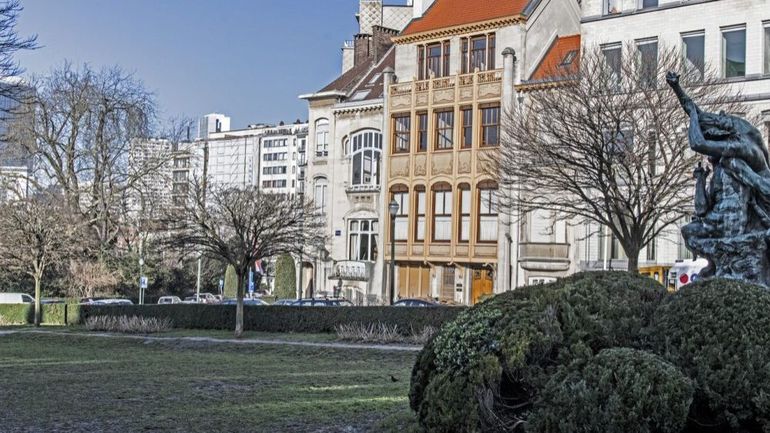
x,y
16,298
685,272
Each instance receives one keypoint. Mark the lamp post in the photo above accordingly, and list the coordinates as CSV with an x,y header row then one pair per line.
x,y
393,209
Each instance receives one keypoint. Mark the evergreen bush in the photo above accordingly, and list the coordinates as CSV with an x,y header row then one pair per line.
x,y
618,391
718,332
285,278
230,288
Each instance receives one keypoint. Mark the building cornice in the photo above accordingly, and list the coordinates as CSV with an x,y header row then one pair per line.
x,y
322,95
628,13
459,30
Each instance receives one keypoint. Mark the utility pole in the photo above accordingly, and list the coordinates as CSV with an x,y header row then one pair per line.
x,y
204,182
141,266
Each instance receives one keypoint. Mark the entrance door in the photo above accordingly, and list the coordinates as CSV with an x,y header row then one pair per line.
x,y
481,284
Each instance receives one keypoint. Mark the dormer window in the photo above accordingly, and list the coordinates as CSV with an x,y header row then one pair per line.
x,y
478,53
568,59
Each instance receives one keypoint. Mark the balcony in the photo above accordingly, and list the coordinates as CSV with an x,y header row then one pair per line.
x,y
455,89
352,270
362,189
544,256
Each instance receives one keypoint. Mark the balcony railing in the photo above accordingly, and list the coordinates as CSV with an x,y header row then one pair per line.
x,y
366,188
544,256
456,88
352,270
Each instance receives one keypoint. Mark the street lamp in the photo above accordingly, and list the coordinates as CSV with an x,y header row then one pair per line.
x,y
393,209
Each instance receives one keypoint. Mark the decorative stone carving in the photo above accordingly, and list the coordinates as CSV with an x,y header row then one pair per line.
x,y
399,166
731,226
441,164
420,164
443,96
464,163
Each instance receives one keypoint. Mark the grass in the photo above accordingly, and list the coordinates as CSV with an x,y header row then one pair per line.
x,y
79,384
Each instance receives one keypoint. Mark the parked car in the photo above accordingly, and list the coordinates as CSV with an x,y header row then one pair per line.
x,y
51,301
113,302
16,298
322,303
285,302
253,301
416,302
205,298
163,300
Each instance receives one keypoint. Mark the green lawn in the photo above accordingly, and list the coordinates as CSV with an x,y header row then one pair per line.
x,y
81,384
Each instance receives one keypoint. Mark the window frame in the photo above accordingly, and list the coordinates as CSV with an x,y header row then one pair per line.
x,y
420,213
488,192
485,126
647,82
401,135
466,128
362,141
322,137
443,142
400,194
445,191
614,68
724,31
372,235
701,67
766,47
422,131
464,195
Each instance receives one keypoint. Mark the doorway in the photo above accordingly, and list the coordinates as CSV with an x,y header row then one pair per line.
x,y
481,284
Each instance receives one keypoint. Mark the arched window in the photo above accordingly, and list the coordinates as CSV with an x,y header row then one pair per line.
x,y
322,138
366,148
400,193
321,189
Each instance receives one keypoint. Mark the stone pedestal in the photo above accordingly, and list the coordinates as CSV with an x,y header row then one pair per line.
x,y
742,257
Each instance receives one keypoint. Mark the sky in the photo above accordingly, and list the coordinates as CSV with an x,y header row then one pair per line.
x,y
249,59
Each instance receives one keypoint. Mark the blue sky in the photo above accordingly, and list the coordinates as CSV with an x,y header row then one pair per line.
x,y
249,59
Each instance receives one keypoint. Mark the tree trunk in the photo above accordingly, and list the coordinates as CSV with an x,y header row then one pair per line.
x,y
239,307
38,312
633,261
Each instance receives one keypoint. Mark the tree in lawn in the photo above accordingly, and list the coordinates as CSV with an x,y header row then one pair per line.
x,y
285,278
36,234
241,225
605,143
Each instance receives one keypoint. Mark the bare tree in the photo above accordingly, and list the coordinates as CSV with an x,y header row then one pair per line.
x,y
605,142
35,234
241,225
84,122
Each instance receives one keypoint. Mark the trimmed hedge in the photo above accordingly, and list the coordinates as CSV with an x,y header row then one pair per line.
x,y
22,314
485,370
718,332
618,391
276,318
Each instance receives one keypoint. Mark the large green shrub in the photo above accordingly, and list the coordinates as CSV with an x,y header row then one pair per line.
x,y
484,370
276,318
285,278
718,333
22,314
231,282
618,391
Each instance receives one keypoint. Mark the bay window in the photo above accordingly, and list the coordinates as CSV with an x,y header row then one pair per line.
x,y
444,130
465,213
366,151
362,240
487,213
478,52
433,60
402,125
442,213
490,126
401,196
420,204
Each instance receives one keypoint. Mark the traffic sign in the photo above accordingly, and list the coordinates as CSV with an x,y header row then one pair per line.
x,y
142,282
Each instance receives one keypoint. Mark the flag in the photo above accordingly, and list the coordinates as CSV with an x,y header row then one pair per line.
x,y
258,267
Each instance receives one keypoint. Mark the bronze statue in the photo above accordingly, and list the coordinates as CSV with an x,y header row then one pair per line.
x,y
732,214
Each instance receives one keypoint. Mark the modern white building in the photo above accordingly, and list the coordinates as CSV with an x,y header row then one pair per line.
x,y
211,124
731,37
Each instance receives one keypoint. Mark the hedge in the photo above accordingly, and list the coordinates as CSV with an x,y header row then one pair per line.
x,y
276,318
21,314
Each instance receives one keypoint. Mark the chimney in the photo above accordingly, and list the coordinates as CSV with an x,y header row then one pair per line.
x,y
362,48
381,41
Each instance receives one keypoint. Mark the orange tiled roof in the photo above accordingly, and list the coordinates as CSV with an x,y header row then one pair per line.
x,y
450,13
551,66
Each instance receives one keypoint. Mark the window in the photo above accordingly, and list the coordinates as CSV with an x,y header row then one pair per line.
x,y
444,129
421,62
734,53
362,240
322,138
490,126
478,52
646,4
401,196
611,7
487,213
467,142
447,50
465,213
367,148
434,65
321,188
619,141
612,61
419,230
647,62
694,56
569,58
442,213
767,48
401,131
422,132
651,251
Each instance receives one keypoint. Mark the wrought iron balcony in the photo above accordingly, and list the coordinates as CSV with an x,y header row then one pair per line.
x,y
352,270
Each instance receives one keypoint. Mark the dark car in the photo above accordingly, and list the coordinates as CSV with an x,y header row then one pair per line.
x,y
414,302
323,303
245,302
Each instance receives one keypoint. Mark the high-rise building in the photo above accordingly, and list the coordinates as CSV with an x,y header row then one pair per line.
x,y
212,124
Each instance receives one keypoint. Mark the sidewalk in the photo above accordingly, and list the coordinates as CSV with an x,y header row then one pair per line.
x,y
383,347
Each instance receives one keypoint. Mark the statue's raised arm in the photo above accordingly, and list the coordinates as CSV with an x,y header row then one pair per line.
x,y
672,78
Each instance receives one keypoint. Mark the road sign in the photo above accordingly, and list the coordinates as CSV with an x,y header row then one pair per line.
x,y
142,282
